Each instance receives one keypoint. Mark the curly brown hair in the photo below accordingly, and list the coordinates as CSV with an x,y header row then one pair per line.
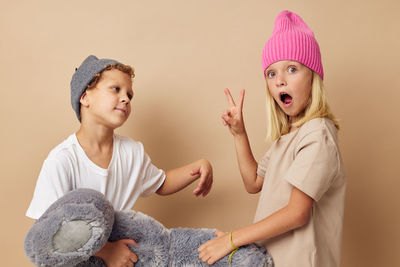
x,y
122,67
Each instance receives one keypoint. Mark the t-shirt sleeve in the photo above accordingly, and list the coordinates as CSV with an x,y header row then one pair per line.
x,y
262,165
53,183
315,165
153,177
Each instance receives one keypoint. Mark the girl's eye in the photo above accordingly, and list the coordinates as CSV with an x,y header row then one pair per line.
x,y
292,69
130,96
270,74
116,89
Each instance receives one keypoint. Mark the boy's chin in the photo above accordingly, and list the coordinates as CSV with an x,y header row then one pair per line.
x,y
115,123
118,124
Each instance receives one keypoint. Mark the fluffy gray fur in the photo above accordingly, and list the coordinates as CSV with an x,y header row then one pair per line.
x,y
79,224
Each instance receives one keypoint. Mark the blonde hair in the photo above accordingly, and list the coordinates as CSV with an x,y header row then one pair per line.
x,y
278,122
121,67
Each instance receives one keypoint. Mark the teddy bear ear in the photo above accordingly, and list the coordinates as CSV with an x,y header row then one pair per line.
x,y
71,230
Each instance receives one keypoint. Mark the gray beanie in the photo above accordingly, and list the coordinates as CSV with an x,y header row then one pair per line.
x,y
83,76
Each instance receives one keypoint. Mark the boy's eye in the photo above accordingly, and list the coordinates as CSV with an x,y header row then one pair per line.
x,y
292,69
130,96
270,74
116,89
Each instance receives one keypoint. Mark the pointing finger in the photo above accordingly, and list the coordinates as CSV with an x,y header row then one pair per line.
x,y
241,99
229,97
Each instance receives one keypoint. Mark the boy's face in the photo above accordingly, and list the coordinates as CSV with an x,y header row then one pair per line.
x,y
109,102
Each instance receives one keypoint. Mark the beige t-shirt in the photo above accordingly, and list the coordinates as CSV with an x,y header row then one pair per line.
x,y
309,159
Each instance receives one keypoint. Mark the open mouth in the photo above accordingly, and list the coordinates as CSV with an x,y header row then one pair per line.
x,y
285,98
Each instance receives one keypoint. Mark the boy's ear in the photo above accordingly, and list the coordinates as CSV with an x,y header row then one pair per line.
x,y
84,99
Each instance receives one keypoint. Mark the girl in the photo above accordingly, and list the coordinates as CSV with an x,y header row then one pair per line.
x,y
301,177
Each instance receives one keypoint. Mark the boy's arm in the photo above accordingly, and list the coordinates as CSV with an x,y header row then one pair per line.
x,y
294,215
179,178
53,183
117,254
233,118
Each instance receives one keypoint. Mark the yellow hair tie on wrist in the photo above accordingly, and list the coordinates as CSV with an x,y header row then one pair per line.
x,y
235,248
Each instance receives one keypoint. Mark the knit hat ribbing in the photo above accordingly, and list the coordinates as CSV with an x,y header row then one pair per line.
x,y
293,40
83,76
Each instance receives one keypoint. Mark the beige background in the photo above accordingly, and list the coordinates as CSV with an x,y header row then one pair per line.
x,y
185,52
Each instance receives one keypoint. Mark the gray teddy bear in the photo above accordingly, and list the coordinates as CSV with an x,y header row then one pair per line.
x,y
79,224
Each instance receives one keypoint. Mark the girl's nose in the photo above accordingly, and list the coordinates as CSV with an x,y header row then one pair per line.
x,y
280,80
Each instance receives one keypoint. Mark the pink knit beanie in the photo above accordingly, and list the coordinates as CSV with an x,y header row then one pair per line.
x,y
293,40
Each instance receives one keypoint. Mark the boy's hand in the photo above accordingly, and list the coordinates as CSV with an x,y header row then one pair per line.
x,y
232,117
216,248
118,254
206,178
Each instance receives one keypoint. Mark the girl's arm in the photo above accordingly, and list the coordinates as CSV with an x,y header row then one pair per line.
x,y
179,178
233,118
247,164
294,215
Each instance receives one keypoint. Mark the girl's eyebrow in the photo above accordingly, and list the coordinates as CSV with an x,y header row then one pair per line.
x,y
294,63
268,69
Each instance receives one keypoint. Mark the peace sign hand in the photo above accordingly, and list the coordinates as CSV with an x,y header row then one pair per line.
x,y
232,117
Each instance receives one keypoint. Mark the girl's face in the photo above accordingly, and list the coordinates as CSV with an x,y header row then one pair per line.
x,y
289,83
109,102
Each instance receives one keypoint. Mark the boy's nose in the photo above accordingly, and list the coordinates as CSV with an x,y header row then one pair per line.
x,y
125,99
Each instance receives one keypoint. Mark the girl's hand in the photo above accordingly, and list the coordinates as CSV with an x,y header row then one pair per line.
x,y
118,254
206,178
215,249
232,117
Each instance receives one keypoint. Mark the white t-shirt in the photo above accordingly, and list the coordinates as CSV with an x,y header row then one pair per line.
x,y
130,174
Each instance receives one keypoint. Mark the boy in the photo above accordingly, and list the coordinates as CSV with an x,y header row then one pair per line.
x,y
94,157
